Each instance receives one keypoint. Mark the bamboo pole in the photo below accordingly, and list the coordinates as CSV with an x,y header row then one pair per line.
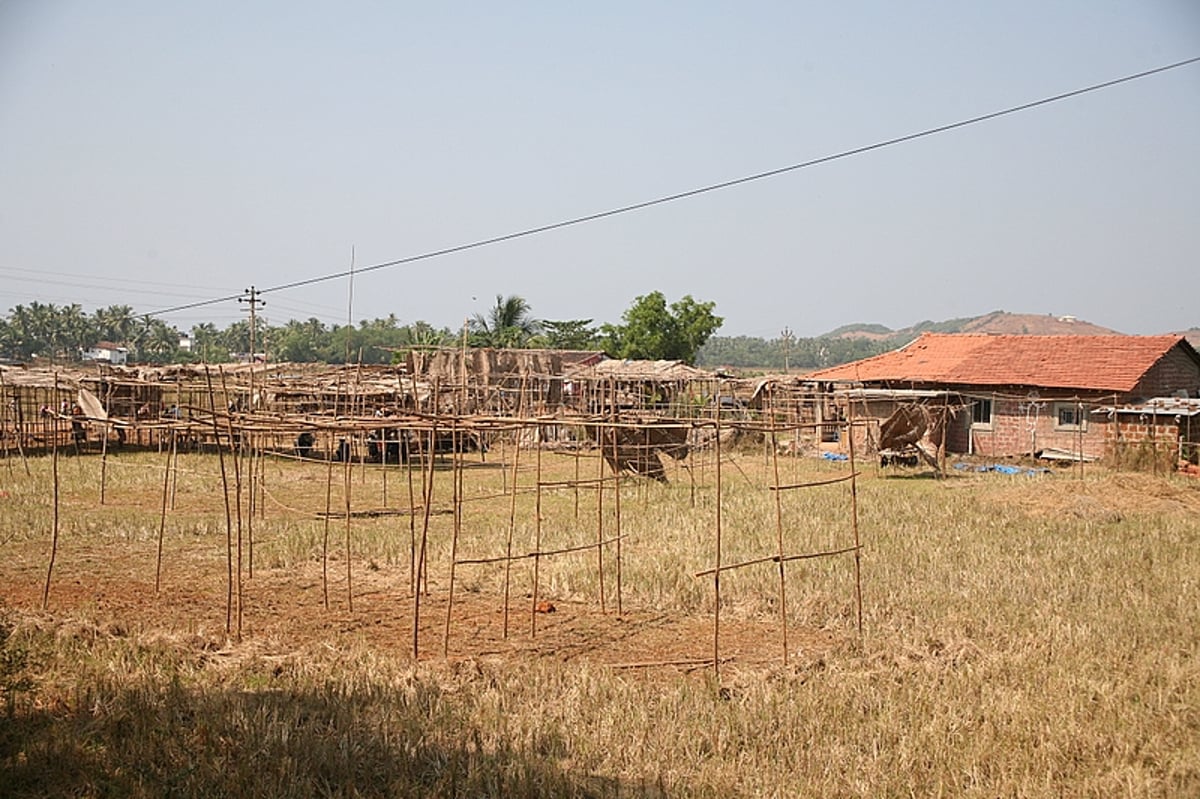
x,y
691,468
512,523
576,492
212,404
252,504
237,477
347,486
162,521
407,455
600,518
104,441
456,493
328,511
512,505
383,460
427,487
617,510
783,616
537,531
54,526
174,465
19,424
854,524
717,573
4,425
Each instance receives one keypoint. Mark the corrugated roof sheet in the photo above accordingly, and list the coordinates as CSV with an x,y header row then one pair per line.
x,y
641,370
1167,406
1109,363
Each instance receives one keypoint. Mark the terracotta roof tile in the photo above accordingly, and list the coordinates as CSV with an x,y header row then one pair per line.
x,y
1110,363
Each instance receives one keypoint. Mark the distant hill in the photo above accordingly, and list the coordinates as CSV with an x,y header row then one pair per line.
x,y
862,340
994,322
1192,334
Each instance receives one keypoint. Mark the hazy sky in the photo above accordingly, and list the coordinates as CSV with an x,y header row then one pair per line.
x,y
158,153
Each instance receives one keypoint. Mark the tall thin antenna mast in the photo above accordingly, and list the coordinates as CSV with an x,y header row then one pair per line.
x,y
350,305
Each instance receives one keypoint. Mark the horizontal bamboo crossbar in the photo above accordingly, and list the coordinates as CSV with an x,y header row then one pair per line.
x,y
816,483
571,483
541,554
778,559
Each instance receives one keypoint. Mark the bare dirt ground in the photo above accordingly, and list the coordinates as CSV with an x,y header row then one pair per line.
x,y
284,613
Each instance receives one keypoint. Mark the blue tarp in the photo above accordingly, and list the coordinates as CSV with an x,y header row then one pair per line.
x,y
1002,468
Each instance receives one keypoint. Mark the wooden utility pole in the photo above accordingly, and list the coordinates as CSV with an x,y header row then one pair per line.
x,y
786,337
251,299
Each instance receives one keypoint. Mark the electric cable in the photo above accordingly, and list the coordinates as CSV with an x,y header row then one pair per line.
x,y
624,209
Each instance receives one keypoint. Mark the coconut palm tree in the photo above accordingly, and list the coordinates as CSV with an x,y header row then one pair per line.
x,y
115,323
508,324
206,339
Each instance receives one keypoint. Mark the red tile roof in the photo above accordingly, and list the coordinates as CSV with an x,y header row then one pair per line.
x,y
1109,363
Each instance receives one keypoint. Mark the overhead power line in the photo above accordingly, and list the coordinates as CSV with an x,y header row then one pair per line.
x,y
624,209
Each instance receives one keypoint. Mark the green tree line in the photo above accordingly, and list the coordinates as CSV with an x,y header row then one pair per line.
x,y
649,328
797,354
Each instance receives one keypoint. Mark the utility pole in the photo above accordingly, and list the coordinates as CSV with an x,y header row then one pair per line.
x,y
786,337
255,303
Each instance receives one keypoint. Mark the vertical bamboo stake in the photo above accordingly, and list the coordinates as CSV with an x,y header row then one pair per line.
x,y
512,523
407,455
347,483
503,460
456,493
428,499
646,453
691,466
576,487
174,467
237,479
328,512
537,531
104,442
4,424
783,616
617,512
253,498
854,523
162,519
19,425
717,571
512,506
1079,433
383,459
600,479
212,405
54,528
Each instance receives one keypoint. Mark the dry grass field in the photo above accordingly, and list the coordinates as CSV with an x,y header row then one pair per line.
x,y
1022,636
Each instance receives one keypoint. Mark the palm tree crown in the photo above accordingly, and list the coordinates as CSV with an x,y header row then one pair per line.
x,y
508,323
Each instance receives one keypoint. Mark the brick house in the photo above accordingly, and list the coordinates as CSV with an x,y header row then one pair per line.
x,y
1055,396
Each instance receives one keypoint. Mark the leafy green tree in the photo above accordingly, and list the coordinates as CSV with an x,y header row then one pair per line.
x,y
300,341
423,334
72,332
30,327
236,336
509,323
803,353
570,334
155,341
8,339
206,343
650,329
